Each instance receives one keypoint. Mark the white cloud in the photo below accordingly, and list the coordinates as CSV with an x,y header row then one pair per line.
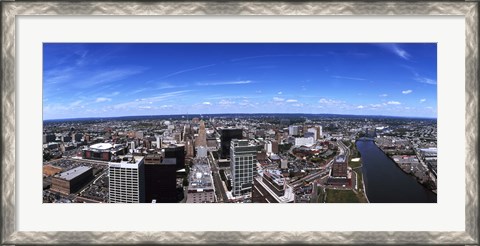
x,y
279,93
423,100
383,95
109,76
291,101
407,92
207,103
360,107
241,82
150,100
187,70
398,51
76,103
278,99
226,102
393,103
103,99
425,80
375,105
144,107
349,78
329,101
297,104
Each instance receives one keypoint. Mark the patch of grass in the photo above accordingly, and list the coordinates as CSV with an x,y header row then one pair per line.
x,y
354,165
341,196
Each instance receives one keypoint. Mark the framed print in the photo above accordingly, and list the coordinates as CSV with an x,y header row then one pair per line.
x,y
152,114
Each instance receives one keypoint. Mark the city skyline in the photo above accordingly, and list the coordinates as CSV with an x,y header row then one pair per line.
x,y
111,80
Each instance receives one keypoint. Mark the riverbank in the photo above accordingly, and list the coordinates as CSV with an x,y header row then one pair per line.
x,y
428,183
356,167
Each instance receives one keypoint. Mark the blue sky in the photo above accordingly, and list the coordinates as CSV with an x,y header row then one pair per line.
x,y
104,80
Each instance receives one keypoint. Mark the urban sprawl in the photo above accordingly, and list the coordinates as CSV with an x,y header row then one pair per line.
x,y
245,158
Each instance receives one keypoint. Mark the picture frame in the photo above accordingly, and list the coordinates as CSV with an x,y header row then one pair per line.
x,y
10,11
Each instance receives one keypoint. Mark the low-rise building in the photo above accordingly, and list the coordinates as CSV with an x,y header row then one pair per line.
x,y
72,180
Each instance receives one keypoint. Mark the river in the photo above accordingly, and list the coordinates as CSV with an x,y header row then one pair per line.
x,y
385,182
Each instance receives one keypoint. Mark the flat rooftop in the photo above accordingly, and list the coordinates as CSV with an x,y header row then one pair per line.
x,y
127,162
73,173
102,146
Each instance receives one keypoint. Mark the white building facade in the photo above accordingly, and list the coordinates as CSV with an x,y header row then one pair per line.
x,y
243,160
126,182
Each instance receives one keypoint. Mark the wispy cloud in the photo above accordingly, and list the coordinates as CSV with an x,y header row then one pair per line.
x,y
186,70
166,85
395,48
241,82
75,103
225,102
360,107
150,100
103,99
207,103
423,100
425,80
349,78
419,78
277,55
329,101
291,101
108,76
407,92
383,95
393,103
278,99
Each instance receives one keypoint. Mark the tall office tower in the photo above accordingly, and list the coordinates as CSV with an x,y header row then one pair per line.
x,y
177,152
160,179
243,166
158,142
126,182
189,148
201,140
319,132
294,130
227,134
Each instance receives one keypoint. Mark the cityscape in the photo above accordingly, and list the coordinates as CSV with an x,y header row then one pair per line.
x,y
239,123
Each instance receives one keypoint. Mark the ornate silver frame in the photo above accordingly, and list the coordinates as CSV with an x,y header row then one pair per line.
x,y
9,234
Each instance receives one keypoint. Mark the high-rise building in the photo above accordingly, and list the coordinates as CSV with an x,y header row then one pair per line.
x,y
177,152
158,142
319,132
243,166
294,130
189,148
126,182
226,136
201,140
160,179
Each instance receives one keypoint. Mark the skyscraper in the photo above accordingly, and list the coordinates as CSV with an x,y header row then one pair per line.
x,y
227,134
177,152
201,140
126,182
243,166
160,179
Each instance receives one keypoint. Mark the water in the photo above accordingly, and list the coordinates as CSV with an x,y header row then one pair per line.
x,y
385,182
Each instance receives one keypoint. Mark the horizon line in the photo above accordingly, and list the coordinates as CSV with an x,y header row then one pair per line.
x,y
153,115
